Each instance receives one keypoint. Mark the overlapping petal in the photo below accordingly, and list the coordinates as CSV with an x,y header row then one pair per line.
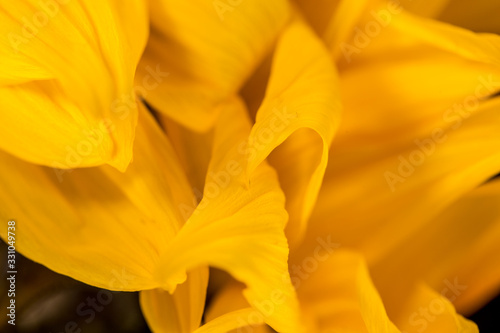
x,y
238,226
113,238
425,309
438,174
420,120
144,217
426,8
456,254
209,49
479,17
230,308
301,112
59,104
408,135
338,295
178,312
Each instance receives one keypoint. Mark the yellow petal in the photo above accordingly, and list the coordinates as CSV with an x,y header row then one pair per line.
x,y
426,8
405,102
194,150
406,113
336,291
40,125
94,235
457,254
107,228
180,312
301,105
427,310
477,16
479,267
237,227
209,48
229,307
73,67
318,13
484,48
231,321
343,22
155,181
436,172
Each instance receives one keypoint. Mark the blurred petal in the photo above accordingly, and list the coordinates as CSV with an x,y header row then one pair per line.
x,y
340,296
155,182
343,23
230,305
427,310
209,49
426,8
422,82
194,150
484,48
236,220
107,228
180,312
230,321
301,103
89,81
456,254
475,16
409,135
436,172
318,13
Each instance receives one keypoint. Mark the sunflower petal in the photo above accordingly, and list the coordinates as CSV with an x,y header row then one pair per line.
x,y
246,237
411,61
477,47
407,117
339,295
90,80
318,13
301,103
209,48
107,228
436,172
341,25
227,305
457,254
155,181
180,312
427,8
194,150
476,17
231,321
428,310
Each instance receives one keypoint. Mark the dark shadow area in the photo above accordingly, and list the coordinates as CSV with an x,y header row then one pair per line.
x,y
52,303
488,318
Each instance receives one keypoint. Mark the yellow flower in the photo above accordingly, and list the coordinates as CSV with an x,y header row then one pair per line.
x,y
332,158
405,195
